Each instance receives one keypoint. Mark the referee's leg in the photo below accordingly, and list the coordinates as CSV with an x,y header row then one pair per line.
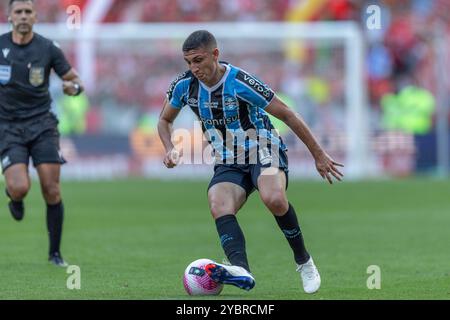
x,y
17,181
17,186
49,177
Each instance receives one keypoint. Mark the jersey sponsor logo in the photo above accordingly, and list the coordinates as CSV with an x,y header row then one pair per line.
x,y
212,105
36,76
6,52
192,102
257,85
220,122
5,74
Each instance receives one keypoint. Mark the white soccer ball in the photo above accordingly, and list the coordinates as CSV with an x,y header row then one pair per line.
x,y
197,282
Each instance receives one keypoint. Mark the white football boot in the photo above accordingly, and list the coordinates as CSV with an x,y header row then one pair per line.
x,y
310,276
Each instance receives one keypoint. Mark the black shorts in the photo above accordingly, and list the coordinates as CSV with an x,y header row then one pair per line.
x,y
37,138
246,175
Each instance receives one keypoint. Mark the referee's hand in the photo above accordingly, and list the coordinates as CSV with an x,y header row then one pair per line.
x,y
69,88
172,158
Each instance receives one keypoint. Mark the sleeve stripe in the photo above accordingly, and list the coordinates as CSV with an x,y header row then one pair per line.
x,y
175,82
252,90
256,84
181,81
176,87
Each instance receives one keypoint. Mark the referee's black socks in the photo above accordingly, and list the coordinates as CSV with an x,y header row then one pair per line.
x,y
55,215
291,229
232,240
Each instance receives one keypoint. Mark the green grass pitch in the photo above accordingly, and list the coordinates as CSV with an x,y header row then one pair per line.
x,y
133,239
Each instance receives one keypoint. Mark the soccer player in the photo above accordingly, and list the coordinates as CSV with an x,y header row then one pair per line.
x,y
232,103
27,127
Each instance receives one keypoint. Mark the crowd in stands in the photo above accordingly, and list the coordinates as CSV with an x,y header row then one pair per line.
x,y
403,51
399,54
169,10
49,10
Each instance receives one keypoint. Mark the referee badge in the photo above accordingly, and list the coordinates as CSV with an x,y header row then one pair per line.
x,y
5,74
36,76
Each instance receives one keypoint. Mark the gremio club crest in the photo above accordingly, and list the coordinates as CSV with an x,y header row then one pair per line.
x,y
36,76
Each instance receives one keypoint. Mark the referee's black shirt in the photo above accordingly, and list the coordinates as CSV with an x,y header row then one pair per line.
x,y
24,76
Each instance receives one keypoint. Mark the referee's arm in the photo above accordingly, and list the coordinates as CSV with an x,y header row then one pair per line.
x,y
72,85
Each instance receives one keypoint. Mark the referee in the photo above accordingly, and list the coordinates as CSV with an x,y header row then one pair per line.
x,y
27,127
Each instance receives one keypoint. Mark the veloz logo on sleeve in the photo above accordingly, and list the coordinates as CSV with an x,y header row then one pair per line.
x,y
5,74
257,85
36,76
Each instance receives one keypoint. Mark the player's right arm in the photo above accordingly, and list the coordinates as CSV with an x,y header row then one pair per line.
x,y
165,130
174,102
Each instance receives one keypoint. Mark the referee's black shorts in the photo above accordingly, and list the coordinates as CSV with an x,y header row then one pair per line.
x,y
37,138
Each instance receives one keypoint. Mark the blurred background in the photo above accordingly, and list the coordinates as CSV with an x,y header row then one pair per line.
x,y
369,77
371,83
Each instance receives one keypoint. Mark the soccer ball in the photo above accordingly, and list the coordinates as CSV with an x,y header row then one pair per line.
x,y
197,282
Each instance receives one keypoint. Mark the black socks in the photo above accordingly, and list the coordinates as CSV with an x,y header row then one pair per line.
x,y
232,240
55,214
289,225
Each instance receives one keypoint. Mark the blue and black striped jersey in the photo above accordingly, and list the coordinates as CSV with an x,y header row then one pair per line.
x,y
231,112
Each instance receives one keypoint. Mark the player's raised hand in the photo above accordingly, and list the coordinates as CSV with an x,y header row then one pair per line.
x,y
172,158
327,168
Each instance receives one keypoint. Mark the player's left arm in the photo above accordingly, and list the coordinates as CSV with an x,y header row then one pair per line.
x,y
72,85
325,165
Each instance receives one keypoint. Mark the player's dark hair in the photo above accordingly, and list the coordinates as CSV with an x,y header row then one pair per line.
x,y
12,1
199,39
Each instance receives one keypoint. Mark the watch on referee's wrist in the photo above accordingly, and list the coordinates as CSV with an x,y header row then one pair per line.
x,y
78,88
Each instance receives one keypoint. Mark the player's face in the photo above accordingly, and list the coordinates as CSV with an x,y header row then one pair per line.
x,y
22,16
203,63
